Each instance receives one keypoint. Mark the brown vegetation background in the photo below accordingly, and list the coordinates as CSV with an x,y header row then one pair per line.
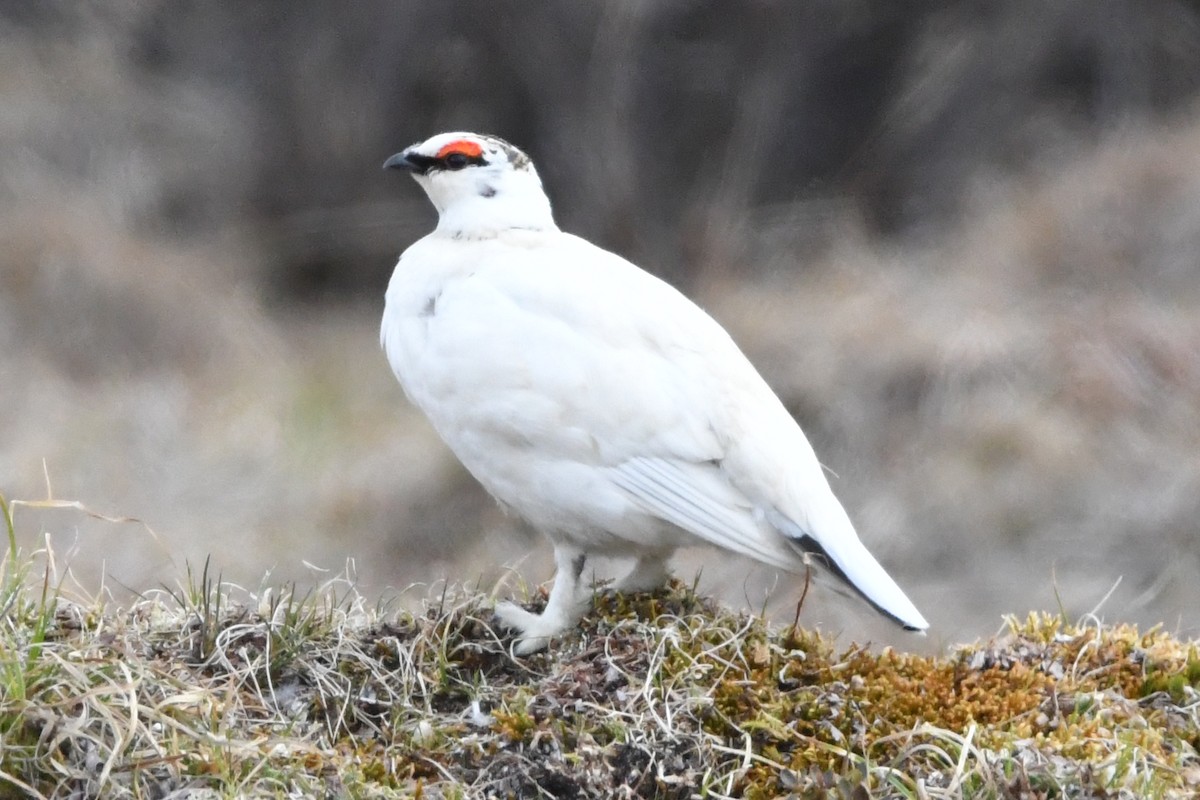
x,y
962,241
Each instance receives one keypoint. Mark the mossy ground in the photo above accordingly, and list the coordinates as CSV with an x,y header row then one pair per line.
x,y
210,691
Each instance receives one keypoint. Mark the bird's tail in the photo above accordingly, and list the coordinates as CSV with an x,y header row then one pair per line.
x,y
839,550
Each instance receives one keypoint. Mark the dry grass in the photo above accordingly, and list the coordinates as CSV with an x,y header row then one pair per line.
x,y
209,690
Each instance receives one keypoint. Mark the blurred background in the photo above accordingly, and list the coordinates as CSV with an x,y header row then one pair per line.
x,y
961,240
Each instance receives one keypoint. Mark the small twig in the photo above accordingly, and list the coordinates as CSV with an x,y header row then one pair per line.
x,y
800,602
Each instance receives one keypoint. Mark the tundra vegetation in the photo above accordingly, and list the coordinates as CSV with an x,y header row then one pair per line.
x,y
225,692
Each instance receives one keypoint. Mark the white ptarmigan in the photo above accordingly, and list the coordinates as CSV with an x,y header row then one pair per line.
x,y
595,400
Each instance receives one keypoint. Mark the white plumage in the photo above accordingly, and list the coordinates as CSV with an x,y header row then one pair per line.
x,y
595,400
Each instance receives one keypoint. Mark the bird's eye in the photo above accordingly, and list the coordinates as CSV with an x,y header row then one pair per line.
x,y
457,160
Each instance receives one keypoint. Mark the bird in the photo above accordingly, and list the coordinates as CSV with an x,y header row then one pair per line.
x,y
595,400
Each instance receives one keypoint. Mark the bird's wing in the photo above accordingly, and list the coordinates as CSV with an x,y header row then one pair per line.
x,y
700,499
575,353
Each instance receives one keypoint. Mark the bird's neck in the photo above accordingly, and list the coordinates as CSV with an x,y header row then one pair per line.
x,y
519,204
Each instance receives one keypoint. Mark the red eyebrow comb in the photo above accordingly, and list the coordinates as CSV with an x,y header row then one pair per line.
x,y
464,146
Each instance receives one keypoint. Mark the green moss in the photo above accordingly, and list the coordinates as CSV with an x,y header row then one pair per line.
x,y
651,695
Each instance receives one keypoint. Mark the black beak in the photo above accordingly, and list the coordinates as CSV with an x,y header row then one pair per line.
x,y
410,162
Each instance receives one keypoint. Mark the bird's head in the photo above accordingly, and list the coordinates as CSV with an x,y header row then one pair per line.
x,y
481,185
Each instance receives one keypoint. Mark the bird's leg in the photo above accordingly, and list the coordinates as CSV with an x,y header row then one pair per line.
x,y
649,573
564,608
